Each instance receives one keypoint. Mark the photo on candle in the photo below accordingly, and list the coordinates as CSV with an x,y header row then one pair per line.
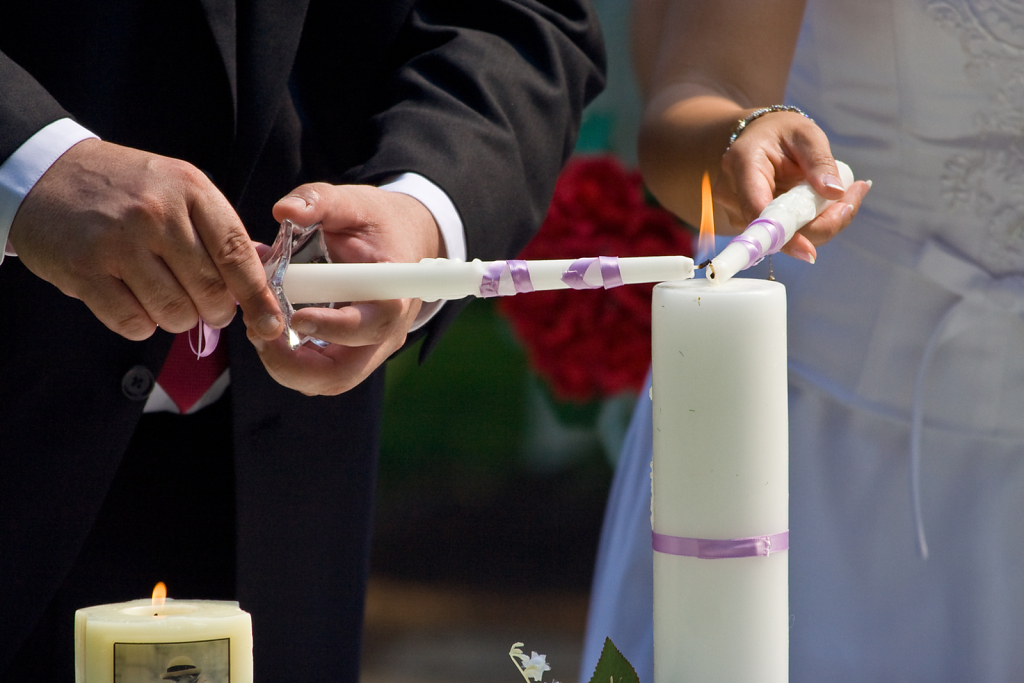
x,y
204,661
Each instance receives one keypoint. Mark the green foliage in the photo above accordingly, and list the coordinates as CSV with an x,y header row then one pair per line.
x,y
472,462
613,667
464,408
571,413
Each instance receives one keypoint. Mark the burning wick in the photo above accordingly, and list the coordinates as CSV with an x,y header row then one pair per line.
x,y
705,264
159,597
706,237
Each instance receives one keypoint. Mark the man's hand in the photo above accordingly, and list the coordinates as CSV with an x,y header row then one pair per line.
x,y
362,224
143,241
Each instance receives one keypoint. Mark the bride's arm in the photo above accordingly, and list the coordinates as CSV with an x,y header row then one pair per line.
x,y
704,64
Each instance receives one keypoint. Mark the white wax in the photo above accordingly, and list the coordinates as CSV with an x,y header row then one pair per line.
x,y
433,279
721,471
308,283
140,641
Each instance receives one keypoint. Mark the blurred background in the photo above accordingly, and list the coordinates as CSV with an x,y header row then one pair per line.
x,y
494,473
488,515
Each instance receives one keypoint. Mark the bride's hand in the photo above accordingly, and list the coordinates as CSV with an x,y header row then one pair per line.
x,y
775,152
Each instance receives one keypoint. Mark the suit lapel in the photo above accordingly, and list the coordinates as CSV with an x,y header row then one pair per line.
x,y
223,20
269,32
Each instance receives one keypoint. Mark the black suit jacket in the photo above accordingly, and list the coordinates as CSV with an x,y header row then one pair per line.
x,y
482,97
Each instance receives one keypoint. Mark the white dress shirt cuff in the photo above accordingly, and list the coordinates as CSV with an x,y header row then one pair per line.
x,y
448,221
21,170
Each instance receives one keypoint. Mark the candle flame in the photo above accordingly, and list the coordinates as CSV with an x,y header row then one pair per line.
x,y
706,239
159,594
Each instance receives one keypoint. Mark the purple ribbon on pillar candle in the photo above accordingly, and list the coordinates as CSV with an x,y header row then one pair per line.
x,y
776,233
577,270
491,281
712,549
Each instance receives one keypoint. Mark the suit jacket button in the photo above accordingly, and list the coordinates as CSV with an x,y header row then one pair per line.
x,y
137,383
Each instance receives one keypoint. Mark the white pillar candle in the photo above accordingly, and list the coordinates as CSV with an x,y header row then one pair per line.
x,y
136,641
720,472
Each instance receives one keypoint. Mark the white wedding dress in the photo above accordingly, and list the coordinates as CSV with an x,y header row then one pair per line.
x,y
913,314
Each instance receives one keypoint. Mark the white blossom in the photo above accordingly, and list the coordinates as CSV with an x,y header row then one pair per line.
x,y
535,665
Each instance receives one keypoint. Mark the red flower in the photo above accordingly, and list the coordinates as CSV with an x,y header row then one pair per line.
x,y
594,343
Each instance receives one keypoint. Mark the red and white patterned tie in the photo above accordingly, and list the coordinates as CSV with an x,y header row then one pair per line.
x,y
185,377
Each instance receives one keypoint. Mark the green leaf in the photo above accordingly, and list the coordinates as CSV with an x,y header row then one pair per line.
x,y
612,667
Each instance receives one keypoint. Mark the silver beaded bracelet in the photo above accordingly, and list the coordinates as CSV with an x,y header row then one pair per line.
x,y
742,124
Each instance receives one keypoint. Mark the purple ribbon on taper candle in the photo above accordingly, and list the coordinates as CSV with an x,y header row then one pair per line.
x,y
776,232
207,339
519,270
610,275
712,549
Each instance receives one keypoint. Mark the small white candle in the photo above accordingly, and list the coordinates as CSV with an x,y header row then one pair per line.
x,y
780,220
720,472
138,641
433,279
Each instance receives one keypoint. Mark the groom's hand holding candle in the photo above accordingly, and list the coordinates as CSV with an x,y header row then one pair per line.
x,y
144,241
362,224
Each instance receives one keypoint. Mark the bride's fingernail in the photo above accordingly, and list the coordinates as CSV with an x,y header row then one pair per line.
x,y
847,213
803,254
829,180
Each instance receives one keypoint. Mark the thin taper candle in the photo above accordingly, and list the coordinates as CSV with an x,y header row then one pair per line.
x,y
776,225
433,279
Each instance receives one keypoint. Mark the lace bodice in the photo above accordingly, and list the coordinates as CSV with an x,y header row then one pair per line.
x,y
929,96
